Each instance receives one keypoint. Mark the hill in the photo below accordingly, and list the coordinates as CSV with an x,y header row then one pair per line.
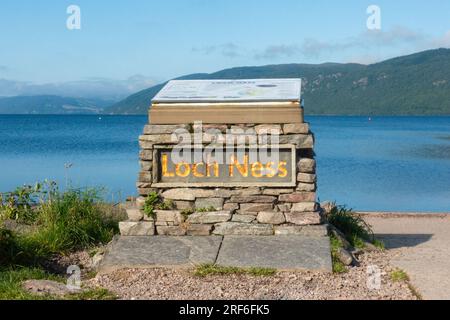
x,y
47,104
417,84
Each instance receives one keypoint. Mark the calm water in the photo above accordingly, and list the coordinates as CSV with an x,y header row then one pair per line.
x,y
389,163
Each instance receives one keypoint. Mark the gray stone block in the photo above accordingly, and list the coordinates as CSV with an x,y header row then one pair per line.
x,y
236,228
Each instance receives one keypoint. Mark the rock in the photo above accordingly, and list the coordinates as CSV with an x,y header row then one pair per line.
x,y
146,155
46,287
146,165
327,206
231,206
140,201
179,194
284,207
209,217
254,208
298,197
188,194
145,191
169,216
301,128
164,128
145,176
247,192
96,259
303,218
244,218
344,256
302,141
339,235
171,230
146,145
277,192
212,127
216,203
306,187
242,130
268,129
304,207
132,228
182,205
160,138
243,229
271,217
135,215
315,231
144,185
199,229
306,178
287,230
306,165
369,247
253,199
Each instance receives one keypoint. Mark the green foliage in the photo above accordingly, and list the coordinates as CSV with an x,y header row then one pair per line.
x,y
211,269
63,222
399,276
336,245
391,87
11,283
11,286
187,212
356,230
153,202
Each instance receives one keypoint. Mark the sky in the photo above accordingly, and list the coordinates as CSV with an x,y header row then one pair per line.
x,y
153,40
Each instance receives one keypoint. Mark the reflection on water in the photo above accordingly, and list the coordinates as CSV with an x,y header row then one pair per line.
x,y
389,163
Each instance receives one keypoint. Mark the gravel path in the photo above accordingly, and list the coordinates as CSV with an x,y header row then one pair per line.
x,y
161,284
420,245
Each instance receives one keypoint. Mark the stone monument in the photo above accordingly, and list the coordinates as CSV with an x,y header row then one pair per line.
x,y
225,157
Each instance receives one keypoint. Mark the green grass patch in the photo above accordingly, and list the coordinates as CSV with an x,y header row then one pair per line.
x,y
336,245
210,269
399,276
11,283
356,230
63,221
11,286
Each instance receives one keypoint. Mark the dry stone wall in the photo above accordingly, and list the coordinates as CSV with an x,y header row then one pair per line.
x,y
255,210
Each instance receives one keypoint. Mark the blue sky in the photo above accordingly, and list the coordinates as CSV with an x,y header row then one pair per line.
x,y
165,39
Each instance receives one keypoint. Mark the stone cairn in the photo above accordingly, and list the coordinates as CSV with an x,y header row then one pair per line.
x,y
261,211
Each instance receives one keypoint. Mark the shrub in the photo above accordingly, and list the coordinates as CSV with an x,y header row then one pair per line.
x,y
355,229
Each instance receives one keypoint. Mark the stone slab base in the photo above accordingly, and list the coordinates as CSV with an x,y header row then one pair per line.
x,y
307,251
287,253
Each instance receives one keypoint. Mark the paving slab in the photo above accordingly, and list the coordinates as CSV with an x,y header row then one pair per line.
x,y
159,251
286,253
420,246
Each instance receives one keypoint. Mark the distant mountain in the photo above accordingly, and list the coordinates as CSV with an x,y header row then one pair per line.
x,y
51,105
417,84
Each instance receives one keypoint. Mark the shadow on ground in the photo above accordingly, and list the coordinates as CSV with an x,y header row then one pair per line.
x,y
395,241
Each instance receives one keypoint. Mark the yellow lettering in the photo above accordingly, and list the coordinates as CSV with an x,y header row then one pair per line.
x,y
282,169
195,170
182,173
271,171
165,171
243,169
256,169
215,167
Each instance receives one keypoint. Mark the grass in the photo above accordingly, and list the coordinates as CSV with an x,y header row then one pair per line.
x,y
210,269
356,230
61,222
11,286
338,266
399,276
